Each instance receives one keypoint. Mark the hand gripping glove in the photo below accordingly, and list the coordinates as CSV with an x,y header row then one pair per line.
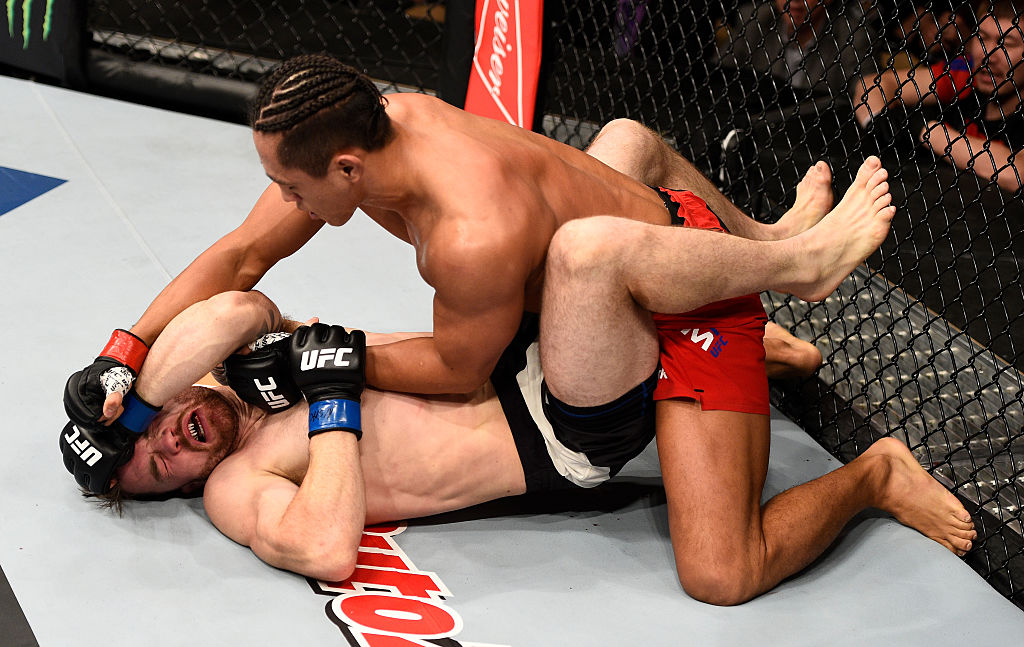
x,y
114,370
92,452
329,367
263,378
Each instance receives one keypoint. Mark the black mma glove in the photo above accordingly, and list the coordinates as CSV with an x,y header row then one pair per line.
x,y
329,367
114,370
263,378
92,452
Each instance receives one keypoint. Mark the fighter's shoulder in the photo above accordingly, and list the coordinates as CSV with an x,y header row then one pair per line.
x,y
233,489
476,238
231,473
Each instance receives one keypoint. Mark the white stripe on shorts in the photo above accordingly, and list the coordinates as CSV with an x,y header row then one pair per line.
x,y
574,466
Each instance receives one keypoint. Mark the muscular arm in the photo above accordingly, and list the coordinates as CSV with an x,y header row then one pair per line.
x,y
273,230
909,87
478,304
313,529
201,337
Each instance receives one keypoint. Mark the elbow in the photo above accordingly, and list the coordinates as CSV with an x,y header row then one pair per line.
x,y
227,303
328,561
325,555
333,565
469,383
242,310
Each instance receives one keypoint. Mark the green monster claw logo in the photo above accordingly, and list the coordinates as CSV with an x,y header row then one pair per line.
x,y
26,20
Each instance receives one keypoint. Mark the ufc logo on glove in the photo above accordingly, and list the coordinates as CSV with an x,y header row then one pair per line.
x,y
87,452
312,359
273,400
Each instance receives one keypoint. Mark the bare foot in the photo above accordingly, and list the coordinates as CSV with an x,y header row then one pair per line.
x,y
813,200
919,501
846,235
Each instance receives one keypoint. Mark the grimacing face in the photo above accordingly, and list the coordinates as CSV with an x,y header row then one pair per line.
x,y
193,432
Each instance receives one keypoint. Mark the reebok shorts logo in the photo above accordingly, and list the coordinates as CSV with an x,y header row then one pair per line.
x,y
710,340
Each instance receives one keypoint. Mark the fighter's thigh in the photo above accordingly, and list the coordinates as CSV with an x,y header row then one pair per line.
x,y
596,341
713,465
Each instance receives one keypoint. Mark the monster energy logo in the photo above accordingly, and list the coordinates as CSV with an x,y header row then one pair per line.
x,y
26,19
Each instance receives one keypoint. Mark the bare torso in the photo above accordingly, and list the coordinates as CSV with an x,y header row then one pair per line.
x,y
419,456
479,179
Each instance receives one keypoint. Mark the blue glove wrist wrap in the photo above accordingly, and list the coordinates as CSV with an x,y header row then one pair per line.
x,y
332,415
137,413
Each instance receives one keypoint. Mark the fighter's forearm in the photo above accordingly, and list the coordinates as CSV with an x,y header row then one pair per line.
x,y
319,532
201,337
890,88
415,366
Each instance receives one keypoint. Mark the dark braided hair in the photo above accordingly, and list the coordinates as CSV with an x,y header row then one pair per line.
x,y
321,106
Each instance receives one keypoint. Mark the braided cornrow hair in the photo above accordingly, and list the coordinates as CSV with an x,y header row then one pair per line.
x,y
321,106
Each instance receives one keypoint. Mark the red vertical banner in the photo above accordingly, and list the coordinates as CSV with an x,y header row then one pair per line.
x,y
506,60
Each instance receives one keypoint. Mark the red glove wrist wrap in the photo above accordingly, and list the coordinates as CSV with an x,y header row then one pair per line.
x,y
126,348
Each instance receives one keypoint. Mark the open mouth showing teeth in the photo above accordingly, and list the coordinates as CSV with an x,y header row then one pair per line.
x,y
195,429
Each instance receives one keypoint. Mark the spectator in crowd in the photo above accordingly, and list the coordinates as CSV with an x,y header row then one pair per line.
x,y
920,32
980,126
809,45
803,56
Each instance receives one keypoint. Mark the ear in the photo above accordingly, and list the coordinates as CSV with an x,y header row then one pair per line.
x,y
349,165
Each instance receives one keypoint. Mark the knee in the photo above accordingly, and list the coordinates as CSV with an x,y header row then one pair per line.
x,y
788,357
806,358
586,246
794,360
718,582
626,131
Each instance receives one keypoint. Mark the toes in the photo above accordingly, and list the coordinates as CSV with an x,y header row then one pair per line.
x,y
963,522
878,177
824,169
882,202
964,534
948,546
864,172
880,190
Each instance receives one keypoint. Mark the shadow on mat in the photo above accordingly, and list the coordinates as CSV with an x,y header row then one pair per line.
x,y
609,497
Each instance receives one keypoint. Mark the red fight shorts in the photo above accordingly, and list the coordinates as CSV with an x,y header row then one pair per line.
x,y
715,354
